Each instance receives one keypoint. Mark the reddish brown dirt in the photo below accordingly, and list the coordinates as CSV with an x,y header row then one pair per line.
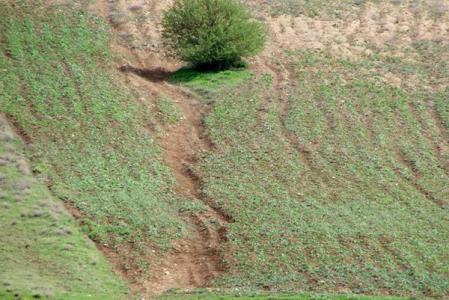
x,y
195,260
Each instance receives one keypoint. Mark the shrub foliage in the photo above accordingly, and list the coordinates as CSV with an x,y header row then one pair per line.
x,y
212,34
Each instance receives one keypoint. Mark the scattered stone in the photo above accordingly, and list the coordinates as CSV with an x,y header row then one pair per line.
x,y
6,205
67,231
9,148
135,7
3,194
22,184
118,18
42,203
10,157
36,213
67,247
125,35
18,198
4,162
23,167
59,232
14,223
6,136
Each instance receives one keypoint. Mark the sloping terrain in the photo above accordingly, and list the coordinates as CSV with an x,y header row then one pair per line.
x,y
334,164
42,251
85,134
322,168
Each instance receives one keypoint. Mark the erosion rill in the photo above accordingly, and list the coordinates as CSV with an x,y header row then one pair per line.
x,y
195,260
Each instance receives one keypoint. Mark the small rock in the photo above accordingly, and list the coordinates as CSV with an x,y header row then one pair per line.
x,y
67,231
10,157
3,194
67,247
125,35
6,205
36,213
118,18
6,136
59,232
42,203
9,148
14,223
23,167
3,162
21,185
135,7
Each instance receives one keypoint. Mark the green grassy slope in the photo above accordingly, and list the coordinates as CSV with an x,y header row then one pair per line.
x,y
267,296
85,131
340,184
336,182
42,251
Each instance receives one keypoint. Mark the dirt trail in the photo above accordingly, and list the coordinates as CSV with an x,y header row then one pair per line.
x,y
195,260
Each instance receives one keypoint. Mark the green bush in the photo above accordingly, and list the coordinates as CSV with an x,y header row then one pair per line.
x,y
212,34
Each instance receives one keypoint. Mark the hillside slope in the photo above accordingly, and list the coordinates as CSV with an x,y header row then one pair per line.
x,y
324,167
42,251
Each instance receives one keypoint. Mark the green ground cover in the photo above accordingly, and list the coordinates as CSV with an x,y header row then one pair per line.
x,y
85,131
245,295
42,251
335,183
340,186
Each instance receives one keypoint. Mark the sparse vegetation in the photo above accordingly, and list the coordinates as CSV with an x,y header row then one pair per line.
x,y
337,183
43,254
247,295
167,111
85,132
316,171
212,34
